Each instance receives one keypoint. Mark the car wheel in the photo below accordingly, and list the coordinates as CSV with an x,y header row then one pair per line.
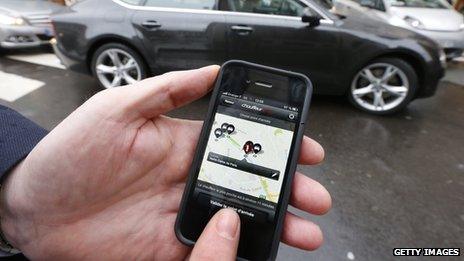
x,y
116,65
384,86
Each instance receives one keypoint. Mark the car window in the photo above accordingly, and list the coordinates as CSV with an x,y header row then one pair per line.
x,y
189,4
274,7
418,3
291,8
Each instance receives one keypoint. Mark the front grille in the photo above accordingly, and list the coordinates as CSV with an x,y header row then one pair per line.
x,y
39,19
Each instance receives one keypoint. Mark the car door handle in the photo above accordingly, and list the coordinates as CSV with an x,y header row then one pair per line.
x,y
242,29
150,24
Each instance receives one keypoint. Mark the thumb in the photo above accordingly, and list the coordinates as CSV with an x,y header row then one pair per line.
x,y
219,240
154,96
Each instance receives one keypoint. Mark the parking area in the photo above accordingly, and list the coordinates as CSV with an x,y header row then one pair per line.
x,y
396,181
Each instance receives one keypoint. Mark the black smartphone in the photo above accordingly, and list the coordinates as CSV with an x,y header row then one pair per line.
x,y
247,155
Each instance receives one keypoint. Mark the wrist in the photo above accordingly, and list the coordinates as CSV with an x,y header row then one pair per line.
x,y
9,215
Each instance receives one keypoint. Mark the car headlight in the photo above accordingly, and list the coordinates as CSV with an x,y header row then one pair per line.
x,y
414,22
11,20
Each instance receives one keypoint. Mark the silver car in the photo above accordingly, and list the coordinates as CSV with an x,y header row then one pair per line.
x,y
26,23
433,18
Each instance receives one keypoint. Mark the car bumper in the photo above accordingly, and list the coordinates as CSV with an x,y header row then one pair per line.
x,y
69,62
451,42
14,37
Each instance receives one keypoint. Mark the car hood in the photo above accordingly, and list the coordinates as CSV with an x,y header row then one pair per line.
x,y
432,19
373,29
376,27
25,7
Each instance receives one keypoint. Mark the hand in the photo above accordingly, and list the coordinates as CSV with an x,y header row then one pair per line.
x,y
106,183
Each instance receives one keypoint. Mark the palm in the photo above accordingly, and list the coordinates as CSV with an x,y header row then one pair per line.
x,y
107,182
132,207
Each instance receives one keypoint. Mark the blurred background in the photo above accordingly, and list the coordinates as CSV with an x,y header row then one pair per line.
x,y
388,77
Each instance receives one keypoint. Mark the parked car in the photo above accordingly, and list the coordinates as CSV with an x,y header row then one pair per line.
x,y
436,19
379,67
26,23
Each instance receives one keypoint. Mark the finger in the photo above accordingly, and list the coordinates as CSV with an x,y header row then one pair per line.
x,y
301,233
154,96
311,152
219,240
309,195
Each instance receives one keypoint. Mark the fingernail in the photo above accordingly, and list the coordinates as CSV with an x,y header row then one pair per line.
x,y
227,223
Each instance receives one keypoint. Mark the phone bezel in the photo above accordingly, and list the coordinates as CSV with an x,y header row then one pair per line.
x,y
286,188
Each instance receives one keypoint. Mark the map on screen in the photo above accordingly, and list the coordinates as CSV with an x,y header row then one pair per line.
x,y
246,157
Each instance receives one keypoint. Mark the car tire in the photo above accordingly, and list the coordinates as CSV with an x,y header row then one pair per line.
x,y
388,88
115,65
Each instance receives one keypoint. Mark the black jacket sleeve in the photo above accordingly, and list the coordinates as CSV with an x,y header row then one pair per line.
x,y
18,136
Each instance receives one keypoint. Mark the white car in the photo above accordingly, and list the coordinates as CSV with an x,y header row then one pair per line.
x,y
433,18
26,23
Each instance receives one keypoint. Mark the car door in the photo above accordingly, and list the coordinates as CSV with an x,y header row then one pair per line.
x,y
181,34
271,32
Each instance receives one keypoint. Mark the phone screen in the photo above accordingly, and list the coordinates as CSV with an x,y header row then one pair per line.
x,y
244,161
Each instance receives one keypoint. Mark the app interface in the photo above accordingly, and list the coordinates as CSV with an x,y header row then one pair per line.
x,y
246,156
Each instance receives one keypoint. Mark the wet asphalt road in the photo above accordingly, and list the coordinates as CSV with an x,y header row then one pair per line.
x,y
396,181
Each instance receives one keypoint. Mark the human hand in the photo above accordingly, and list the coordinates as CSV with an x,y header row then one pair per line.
x,y
107,182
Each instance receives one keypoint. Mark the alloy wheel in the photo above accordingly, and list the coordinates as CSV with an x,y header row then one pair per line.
x,y
380,87
116,67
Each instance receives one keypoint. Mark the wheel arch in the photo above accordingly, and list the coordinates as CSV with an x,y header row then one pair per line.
x,y
113,39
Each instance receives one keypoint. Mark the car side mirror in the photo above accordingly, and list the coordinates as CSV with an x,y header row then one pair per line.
x,y
310,18
367,3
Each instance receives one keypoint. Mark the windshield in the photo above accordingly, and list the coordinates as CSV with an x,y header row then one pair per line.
x,y
438,4
325,6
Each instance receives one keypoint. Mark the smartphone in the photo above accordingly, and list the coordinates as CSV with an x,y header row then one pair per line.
x,y
247,155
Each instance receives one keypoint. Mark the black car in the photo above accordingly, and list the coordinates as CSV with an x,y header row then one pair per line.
x,y
380,68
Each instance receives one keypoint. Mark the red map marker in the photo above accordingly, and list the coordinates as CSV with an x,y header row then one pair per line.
x,y
248,147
